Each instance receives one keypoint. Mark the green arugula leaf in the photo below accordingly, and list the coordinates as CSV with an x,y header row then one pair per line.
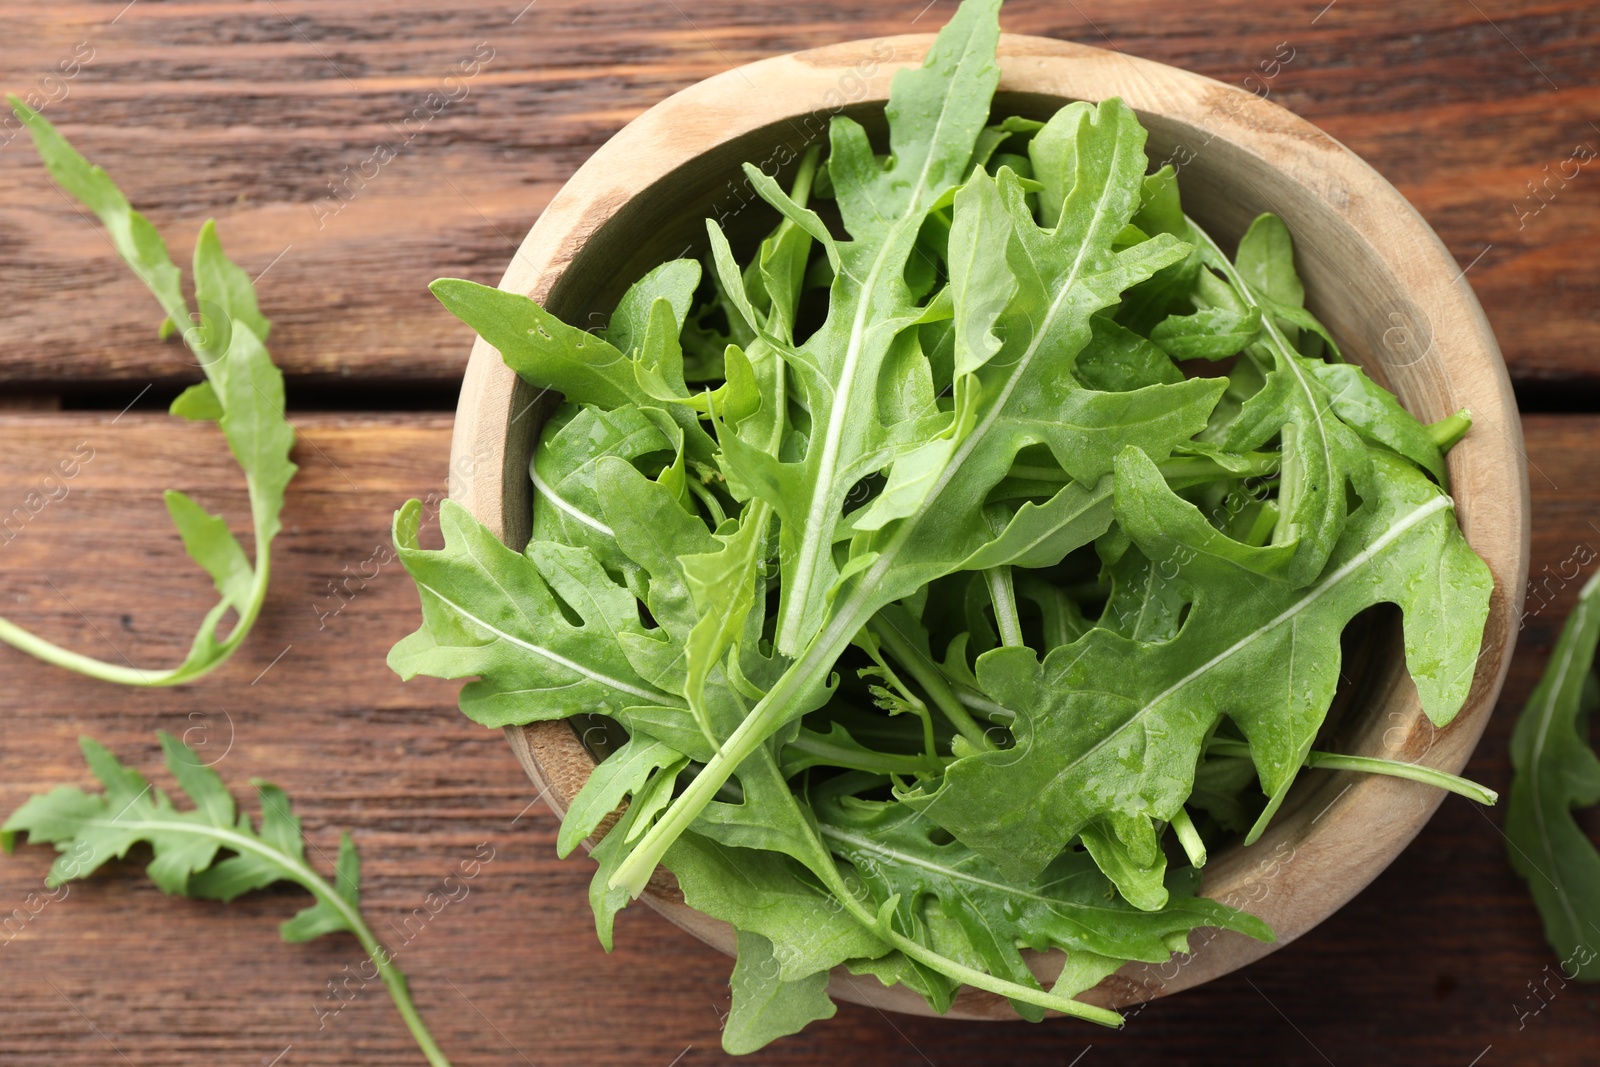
x,y
765,1007
1555,771
1070,906
762,892
1266,262
90,830
674,281
1321,455
582,367
1111,726
566,506
242,393
1131,857
1374,413
623,772
497,615
1117,360
1160,207
1210,333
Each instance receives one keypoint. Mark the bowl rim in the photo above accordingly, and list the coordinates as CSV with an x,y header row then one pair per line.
x,y
1345,828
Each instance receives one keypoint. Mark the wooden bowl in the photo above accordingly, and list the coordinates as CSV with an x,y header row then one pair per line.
x,y
1374,271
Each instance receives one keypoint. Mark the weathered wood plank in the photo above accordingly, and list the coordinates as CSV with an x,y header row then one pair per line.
x,y
248,112
1423,967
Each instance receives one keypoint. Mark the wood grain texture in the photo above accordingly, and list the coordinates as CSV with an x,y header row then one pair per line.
x,y
1424,967
247,111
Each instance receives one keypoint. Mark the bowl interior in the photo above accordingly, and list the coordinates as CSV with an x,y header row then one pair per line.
x,y
1374,274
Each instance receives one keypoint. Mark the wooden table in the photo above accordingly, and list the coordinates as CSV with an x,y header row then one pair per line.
x,y
252,113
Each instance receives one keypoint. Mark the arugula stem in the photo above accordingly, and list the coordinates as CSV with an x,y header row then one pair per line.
x,y
912,701
768,714
1251,465
1193,846
1291,483
985,707
1333,761
89,666
804,175
708,500
1394,768
54,654
880,924
1450,429
399,989
1204,468
1004,597
933,682
885,763
1266,521
1035,473
982,979
393,978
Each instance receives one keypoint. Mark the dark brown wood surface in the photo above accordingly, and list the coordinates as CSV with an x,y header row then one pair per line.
x,y
249,112
245,112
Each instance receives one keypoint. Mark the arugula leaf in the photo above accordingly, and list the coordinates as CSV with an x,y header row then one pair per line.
x,y
494,614
760,892
623,772
1554,771
242,393
566,506
1069,906
765,1006
584,368
1374,413
1210,333
91,829
1110,726
673,281
1117,360
1321,455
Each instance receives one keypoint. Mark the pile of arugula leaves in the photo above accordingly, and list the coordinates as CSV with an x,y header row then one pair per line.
x,y
982,524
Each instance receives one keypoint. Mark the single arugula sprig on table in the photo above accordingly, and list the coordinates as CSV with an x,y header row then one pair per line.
x,y
211,852
1556,771
927,617
242,393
